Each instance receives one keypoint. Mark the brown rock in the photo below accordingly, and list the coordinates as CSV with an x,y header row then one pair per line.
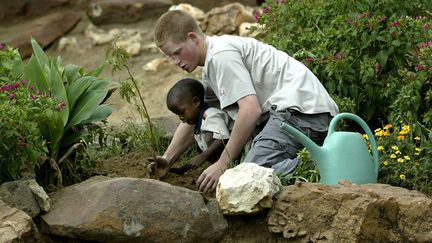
x,y
16,226
45,30
132,210
206,5
125,11
352,213
226,19
13,8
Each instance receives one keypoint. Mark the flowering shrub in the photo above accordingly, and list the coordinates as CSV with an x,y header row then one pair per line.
x,y
377,53
402,158
21,142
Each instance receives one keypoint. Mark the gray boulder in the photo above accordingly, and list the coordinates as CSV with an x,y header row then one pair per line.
x,y
18,194
132,210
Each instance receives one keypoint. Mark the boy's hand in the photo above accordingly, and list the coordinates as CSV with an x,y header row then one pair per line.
x,y
197,160
161,166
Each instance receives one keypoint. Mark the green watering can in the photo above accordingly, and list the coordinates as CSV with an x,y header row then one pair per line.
x,y
344,155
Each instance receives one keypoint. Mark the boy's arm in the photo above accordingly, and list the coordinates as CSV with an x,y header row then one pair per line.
x,y
214,147
182,140
248,114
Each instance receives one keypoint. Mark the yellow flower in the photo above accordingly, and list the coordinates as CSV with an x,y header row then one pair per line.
x,y
417,163
380,148
402,176
386,163
398,152
394,147
418,149
366,136
400,160
377,130
417,138
405,130
416,154
388,126
407,157
400,137
393,156
385,134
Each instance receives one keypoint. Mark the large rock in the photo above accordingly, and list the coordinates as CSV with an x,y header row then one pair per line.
x,y
226,19
125,11
16,226
206,5
18,194
247,189
132,210
352,213
45,31
12,8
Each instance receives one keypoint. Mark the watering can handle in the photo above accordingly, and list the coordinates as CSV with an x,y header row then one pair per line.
x,y
365,127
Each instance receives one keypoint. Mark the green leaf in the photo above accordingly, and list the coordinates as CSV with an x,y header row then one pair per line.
x,y
71,73
382,57
88,102
51,127
77,88
39,54
101,112
396,43
96,72
34,74
58,90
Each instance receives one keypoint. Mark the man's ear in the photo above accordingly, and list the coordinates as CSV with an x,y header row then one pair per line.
x,y
193,36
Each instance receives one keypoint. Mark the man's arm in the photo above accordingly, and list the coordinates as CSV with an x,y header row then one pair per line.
x,y
248,114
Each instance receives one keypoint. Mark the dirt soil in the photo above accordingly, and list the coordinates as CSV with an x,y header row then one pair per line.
x,y
154,87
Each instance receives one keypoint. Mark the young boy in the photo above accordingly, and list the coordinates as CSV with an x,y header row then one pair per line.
x,y
211,126
263,85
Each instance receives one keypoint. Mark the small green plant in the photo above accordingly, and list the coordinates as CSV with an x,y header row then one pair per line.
x,y
306,170
120,59
403,161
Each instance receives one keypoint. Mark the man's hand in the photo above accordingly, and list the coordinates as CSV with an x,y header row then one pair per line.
x,y
161,166
208,180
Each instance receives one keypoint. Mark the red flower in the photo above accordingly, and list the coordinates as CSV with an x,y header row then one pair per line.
x,y
12,96
395,24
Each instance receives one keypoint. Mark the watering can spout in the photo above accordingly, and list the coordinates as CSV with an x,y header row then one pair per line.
x,y
312,147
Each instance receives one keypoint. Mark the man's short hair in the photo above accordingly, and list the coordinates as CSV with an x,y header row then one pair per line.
x,y
174,26
186,88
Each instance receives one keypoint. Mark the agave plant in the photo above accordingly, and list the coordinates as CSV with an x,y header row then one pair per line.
x,y
80,99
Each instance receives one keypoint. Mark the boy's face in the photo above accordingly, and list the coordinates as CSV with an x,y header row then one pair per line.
x,y
187,110
186,55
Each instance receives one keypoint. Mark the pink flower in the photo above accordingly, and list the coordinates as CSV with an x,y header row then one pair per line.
x,y
23,81
419,67
60,105
2,46
16,85
266,9
35,97
257,16
394,34
383,19
395,24
30,87
12,96
4,88
10,86
377,67
426,26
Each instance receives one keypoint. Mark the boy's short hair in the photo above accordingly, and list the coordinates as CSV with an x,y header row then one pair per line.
x,y
186,88
174,26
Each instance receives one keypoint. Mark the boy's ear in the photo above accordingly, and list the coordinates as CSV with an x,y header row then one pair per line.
x,y
196,101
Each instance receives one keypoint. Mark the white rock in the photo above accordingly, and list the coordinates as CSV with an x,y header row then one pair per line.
x,y
195,12
39,194
247,189
155,65
245,29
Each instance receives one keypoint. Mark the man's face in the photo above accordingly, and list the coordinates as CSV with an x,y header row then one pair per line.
x,y
185,55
